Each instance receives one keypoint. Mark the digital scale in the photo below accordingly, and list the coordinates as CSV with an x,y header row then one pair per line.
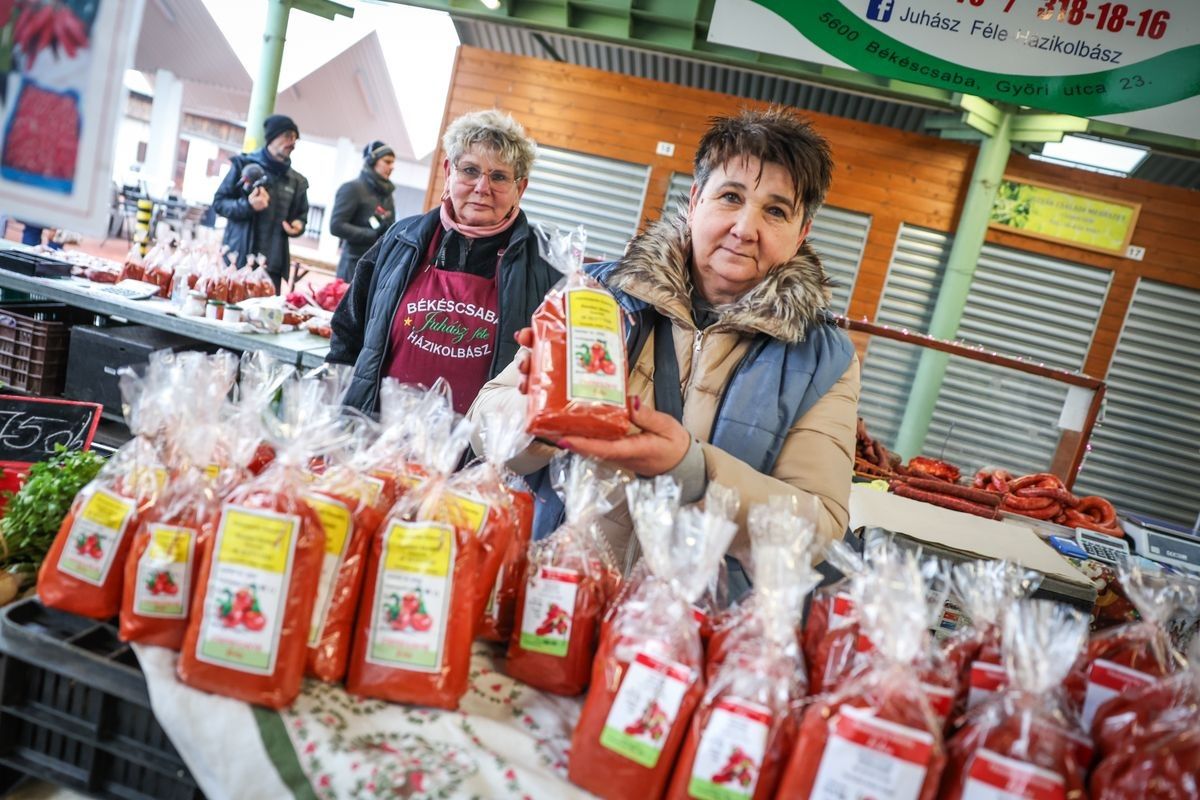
x,y
1163,542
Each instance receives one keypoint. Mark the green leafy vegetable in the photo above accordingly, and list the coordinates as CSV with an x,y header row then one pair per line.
x,y
34,514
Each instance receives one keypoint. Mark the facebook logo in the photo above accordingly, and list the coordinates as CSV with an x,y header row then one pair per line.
x,y
879,10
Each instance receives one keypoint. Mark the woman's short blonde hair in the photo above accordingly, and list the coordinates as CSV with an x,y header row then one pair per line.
x,y
496,131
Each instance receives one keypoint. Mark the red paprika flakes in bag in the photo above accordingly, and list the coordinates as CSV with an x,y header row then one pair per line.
x,y
577,368
1123,657
413,639
743,730
882,715
1024,741
648,677
248,634
569,578
500,611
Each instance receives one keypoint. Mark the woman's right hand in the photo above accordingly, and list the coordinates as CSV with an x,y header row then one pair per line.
x,y
524,338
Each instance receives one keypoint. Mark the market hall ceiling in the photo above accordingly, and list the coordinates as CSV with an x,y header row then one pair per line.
x,y
1159,167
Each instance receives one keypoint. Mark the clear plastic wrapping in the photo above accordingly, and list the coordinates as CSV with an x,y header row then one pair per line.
x,y
577,368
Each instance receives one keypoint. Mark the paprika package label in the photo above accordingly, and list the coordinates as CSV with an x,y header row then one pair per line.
x,y
597,371
95,537
338,523
731,751
248,583
986,679
164,572
412,596
645,708
1106,680
871,757
994,777
549,605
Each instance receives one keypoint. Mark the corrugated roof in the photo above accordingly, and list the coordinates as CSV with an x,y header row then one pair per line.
x,y
1158,168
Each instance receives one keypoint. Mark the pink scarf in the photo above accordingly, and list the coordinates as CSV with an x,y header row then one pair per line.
x,y
475,231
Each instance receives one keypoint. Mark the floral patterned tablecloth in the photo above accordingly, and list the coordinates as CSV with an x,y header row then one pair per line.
x,y
505,741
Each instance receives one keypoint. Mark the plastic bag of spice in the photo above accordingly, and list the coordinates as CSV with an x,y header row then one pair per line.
x,y
569,578
506,519
743,729
412,419
985,591
1126,656
1024,741
173,535
831,609
882,715
350,506
1148,739
577,367
255,591
413,639
648,673
84,570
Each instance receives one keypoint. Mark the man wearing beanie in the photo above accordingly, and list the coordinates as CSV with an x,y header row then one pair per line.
x,y
264,199
364,208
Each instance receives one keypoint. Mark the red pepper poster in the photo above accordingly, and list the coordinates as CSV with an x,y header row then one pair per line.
x,y
62,64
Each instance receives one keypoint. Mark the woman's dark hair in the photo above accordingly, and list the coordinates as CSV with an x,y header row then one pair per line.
x,y
774,136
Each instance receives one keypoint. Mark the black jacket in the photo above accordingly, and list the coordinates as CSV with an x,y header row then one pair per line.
x,y
362,323
249,231
356,203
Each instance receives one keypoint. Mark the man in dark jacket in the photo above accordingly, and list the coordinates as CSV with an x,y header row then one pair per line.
x,y
264,210
364,208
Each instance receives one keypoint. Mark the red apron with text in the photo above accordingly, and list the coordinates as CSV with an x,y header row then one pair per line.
x,y
445,327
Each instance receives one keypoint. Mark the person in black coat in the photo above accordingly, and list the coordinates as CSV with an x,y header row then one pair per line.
x,y
264,212
441,295
364,208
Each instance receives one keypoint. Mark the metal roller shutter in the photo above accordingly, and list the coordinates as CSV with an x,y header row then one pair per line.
x,y
1019,304
1145,453
602,194
837,235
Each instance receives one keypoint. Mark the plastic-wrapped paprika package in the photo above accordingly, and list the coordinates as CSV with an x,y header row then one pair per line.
x,y
882,715
395,461
349,505
254,597
1125,656
985,591
577,367
481,492
569,578
831,610
501,608
648,677
1023,742
743,729
1148,740
412,642
84,570
259,379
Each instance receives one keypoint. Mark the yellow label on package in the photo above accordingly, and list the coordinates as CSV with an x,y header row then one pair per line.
x,y
420,548
335,518
464,511
595,347
107,510
169,545
257,539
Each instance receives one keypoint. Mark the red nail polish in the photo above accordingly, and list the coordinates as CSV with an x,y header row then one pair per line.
x,y
637,404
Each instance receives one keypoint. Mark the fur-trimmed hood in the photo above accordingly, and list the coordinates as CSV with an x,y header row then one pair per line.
x,y
791,298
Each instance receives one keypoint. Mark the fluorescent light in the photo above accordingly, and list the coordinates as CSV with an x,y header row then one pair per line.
x,y
1097,155
490,4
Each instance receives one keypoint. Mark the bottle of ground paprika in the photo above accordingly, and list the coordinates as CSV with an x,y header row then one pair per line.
x,y
577,368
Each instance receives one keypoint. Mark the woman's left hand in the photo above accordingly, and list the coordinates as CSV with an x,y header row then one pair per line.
x,y
658,447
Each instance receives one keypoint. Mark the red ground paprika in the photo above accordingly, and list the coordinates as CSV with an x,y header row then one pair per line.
x,y
501,609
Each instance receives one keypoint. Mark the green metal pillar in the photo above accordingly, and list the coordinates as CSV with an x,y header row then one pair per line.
x,y
262,97
952,297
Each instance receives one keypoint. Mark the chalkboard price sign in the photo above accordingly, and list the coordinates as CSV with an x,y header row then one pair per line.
x,y
30,427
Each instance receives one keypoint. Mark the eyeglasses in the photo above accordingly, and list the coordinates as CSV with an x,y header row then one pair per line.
x,y
471,175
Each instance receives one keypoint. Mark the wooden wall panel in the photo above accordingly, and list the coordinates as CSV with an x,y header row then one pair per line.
x,y
894,176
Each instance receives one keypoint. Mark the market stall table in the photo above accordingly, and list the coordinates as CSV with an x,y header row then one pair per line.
x,y
300,348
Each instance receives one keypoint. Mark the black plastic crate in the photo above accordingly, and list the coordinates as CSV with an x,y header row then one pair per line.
x,y
74,709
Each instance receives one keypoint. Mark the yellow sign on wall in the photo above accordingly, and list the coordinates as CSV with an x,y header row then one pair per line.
x,y
1075,218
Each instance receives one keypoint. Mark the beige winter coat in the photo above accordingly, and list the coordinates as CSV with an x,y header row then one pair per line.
x,y
817,456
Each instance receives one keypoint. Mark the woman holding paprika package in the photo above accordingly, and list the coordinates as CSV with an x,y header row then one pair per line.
x,y
737,374
441,294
